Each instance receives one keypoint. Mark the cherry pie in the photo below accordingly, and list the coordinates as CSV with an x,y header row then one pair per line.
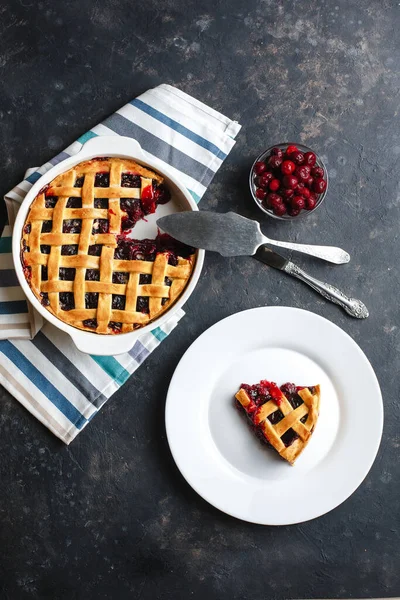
x,y
282,417
77,257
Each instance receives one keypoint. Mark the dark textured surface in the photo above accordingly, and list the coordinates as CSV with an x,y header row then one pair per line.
x,y
110,516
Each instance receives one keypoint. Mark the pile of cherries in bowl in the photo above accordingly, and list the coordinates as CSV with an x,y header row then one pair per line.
x,y
288,180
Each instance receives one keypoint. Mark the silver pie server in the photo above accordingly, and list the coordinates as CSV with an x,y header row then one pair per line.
x,y
231,234
352,306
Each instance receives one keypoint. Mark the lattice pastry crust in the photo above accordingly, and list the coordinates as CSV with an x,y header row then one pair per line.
x,y
70,249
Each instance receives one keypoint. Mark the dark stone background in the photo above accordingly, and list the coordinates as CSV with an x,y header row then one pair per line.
x,y
111,516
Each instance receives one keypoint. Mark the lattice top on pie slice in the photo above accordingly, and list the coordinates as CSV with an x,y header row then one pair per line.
x,y
282,417
76,256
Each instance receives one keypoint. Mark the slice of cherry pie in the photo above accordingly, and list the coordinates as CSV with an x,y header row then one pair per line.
x,y
77,257
284,417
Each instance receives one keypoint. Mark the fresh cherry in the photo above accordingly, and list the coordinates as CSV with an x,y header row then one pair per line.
x,y
275,161
261,194
299,189
287,193
290,149
293,212
280,210
274,200
289,181
265,178
310,159
277,152
274,185
297,202
319,185
288,167
310,202
259,168
317,172
302,173
305,192
297,157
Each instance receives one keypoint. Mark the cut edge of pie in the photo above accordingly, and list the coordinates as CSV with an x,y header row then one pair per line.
x,y
281,421
78,260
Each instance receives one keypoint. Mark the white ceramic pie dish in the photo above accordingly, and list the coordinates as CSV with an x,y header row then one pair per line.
x,y
113,146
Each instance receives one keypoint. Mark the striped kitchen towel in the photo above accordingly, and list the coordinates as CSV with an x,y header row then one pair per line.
x,y
39,364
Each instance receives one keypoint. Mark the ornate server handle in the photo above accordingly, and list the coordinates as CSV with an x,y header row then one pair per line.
x,y
352,306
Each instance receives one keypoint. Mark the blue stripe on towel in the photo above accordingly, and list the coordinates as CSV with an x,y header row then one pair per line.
x,y
5,245
14,307
8,278
194,137
159,334
43,384
196,197
86,136
156,146
64,365
33,177
112,367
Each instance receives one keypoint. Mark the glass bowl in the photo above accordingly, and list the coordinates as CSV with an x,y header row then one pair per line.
x,y
253,187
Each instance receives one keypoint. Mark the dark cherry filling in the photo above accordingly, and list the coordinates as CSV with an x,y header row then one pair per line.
x,y
166,243
144,279
90,323
47,226
100,226
91,300
72,226
45,298
67,274
67,301
128,249
95,250
134,213
92,275
131,206
69,249
135,209
44,273
262,392
50,201
142,304
130,180
148,200
119,277
101,202
162,194
74,202
44,249
102,180
118,302
79,181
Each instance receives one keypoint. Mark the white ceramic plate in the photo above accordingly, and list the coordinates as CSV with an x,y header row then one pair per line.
x,y
217,452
